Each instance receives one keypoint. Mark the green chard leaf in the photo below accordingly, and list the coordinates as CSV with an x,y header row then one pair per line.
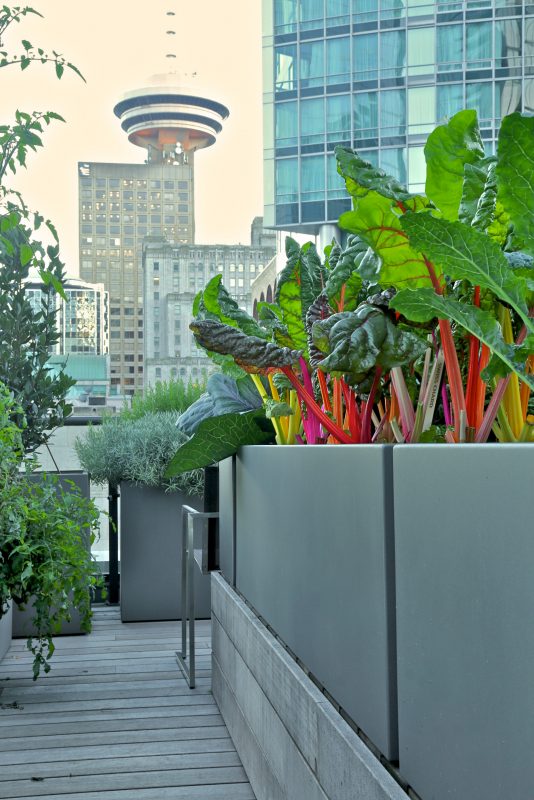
x,y
515,174
422,305
219,437
344,282
298,285
356,342
214,302
375,220
274,409
464,253
448,149
249,352
360,174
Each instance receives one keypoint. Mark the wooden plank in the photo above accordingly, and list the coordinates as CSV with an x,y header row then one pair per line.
x,y
84,740
54,768
115,718
119,780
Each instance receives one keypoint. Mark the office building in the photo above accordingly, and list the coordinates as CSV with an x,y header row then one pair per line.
x,y
378,76
173,274
121,204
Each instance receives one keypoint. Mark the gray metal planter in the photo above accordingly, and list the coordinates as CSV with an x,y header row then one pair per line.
x,y
6,632
150,541
314,557
465,591
22,620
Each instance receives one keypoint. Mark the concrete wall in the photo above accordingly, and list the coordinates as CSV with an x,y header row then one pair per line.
x,y
293,743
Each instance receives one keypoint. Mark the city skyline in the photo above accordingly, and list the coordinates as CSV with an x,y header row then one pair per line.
x,y
229,178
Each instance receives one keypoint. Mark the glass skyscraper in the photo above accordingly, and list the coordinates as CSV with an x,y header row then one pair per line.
x,y
378,75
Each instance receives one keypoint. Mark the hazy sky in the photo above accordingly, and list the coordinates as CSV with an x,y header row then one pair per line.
x,y
118,45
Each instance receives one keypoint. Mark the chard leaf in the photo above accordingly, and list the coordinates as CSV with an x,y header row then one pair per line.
x,y
422,305
215,303
448,149
344,282
249,352
464,253
475,176
359,174
223,395
274,409
356,342
515,174
376,222
217,438
298,285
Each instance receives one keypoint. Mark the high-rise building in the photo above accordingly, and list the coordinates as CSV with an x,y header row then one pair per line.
x,y
378,75
173,274
82,315
120,204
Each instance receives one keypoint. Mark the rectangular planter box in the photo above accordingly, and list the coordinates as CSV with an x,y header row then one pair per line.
x,y
227,519
314,557
6,632
150,532
22,620
465,598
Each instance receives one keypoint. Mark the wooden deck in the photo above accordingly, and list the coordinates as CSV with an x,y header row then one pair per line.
x,y
114,719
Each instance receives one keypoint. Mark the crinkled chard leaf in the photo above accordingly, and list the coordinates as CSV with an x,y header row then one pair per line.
x,y
249,352
355,343
318,311
214,302
359,174
344,282
464,253
219,437
274,409
515,174
448,149
298,285
423,305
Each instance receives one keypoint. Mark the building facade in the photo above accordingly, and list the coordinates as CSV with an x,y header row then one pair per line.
x,y
82,316
173,275
378,75
120,204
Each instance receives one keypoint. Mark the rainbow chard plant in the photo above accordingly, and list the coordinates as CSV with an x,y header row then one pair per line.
x,y
466,231
321,356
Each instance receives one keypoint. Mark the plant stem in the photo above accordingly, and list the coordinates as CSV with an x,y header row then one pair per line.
x,y
366,421
313,408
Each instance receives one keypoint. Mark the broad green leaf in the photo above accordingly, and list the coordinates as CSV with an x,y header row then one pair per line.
x,y
355,343
26,254
359,173
464,253
217,438
344,281
422,305
475,177
298,285
376,222
249,352
448,149
515,174
217,304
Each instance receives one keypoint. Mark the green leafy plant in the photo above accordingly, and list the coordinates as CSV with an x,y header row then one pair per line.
x,y
137,450
173,395
46,561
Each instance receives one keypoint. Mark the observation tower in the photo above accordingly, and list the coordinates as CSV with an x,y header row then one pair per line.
x,y
169,118
170,121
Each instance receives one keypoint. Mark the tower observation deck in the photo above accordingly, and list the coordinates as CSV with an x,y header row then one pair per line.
x,y
170,121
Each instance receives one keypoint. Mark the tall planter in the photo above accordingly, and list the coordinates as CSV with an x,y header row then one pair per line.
x,y
22,620
314,557
150,532
465,595
6,631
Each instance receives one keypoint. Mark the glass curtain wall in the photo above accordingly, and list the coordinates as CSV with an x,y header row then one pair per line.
x,y
378,75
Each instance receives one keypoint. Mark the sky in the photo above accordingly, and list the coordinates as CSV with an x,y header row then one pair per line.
x,y
118,45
